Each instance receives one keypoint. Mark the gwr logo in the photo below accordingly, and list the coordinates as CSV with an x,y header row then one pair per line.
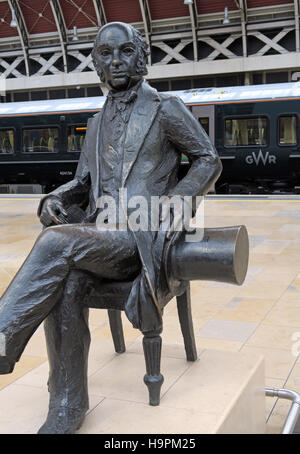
x,y
256,158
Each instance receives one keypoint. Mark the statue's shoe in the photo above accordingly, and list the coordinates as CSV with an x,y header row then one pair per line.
x,y
6,365
62,420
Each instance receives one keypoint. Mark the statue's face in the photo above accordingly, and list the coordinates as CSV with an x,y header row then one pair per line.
x,y
117,56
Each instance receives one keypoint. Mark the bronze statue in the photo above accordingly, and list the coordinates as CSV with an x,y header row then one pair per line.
x,y
134,143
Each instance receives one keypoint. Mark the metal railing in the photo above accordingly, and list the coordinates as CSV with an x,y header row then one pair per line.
x,y
293,414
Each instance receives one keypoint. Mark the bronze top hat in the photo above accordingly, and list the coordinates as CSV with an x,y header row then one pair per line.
x,y
221,255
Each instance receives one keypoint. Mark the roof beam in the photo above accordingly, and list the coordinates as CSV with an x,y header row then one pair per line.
x,y
147,23
61,28
22,31
194,23
242,5
100,12
297,34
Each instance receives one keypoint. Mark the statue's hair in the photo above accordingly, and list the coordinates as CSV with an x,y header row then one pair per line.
x,y
138,40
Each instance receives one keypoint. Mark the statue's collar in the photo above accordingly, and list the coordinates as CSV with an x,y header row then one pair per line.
x,y
125,96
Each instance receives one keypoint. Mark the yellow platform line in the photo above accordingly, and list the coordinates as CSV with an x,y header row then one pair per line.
x,y
206,200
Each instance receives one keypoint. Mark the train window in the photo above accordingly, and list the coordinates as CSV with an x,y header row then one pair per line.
x,y
76,135
40,140
287,130
245,131
6,141
204,122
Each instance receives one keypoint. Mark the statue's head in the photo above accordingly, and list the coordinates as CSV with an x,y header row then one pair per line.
x,y
120,55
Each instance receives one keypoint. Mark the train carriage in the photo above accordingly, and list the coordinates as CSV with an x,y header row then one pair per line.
x,y
254,128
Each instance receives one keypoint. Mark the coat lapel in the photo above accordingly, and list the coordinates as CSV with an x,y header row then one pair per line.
x,y
96,151
142,116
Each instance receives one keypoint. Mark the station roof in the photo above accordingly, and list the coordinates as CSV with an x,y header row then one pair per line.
x,y
39,15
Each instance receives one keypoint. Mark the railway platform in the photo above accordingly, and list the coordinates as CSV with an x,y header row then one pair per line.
x,y
261,317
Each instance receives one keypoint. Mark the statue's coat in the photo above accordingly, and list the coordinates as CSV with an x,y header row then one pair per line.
x,y
160,129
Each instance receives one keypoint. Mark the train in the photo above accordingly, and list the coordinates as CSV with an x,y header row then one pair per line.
x,y
255,130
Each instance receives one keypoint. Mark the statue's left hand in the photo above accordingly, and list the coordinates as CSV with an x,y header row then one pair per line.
x,y
53,212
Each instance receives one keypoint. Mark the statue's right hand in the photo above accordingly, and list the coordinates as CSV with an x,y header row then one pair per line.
x,y
53,212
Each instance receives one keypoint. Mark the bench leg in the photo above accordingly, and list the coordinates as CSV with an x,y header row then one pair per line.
x,y
116,328
186,324
153,378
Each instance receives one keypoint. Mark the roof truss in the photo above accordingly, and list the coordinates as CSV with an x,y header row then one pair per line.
x,y
22,31
100,12
194,24
61,28
147,23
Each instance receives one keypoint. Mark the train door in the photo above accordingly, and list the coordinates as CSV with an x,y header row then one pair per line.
x,y
206,117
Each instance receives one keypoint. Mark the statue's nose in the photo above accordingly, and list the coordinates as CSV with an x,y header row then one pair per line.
x,y
116,60
116,63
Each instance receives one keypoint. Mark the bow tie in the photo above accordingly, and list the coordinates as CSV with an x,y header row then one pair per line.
x,y
120,99
125,96
118,103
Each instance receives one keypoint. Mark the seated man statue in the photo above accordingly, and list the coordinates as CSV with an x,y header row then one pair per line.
x,y
134,143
